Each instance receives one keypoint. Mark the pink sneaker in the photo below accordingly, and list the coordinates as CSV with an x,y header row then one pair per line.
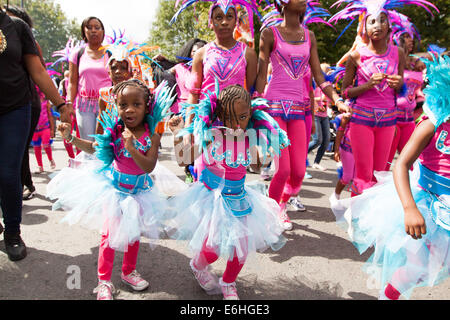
x,y
135,281
285,222
229,290
205,279
105,290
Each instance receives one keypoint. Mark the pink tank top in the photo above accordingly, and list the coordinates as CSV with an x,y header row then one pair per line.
x,y
436,155
287,90
229,161
182,73
380,97
413,81
227,66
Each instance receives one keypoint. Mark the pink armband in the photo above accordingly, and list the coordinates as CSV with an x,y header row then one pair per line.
x,y
325,84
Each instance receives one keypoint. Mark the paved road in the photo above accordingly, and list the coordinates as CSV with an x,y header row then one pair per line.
x,y
318,262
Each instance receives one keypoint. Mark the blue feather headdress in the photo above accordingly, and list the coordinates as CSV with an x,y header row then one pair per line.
x,y
109,142
272,138
437,92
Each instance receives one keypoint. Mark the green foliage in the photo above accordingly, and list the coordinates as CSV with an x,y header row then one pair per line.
x,y
51,26
192,23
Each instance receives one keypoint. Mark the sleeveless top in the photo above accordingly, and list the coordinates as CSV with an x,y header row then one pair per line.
x,y
376,107
182,73
227,66
405,105
436,155
287,91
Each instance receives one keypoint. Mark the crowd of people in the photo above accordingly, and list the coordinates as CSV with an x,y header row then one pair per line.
x,y
234,110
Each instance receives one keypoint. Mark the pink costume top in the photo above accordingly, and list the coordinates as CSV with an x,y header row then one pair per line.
x,y
436,155
228,161
376,107
287,91
92,75
229,67
406,104
43,117
345,141
182,76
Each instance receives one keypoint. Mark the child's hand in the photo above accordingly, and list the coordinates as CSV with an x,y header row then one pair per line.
x,y
414,223
176,123
65,129
128,139
376,79
337,156
394,81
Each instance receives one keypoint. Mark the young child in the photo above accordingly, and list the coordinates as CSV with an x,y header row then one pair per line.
x,y
343,154
406,216
219,215
117,197
42,137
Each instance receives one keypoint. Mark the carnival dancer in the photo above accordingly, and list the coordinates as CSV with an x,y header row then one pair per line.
x,y
117,195
219,214
406,215
291,49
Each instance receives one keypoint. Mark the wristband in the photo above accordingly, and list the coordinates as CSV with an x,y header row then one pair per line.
x,y
71,139
59,106
195,91
325,84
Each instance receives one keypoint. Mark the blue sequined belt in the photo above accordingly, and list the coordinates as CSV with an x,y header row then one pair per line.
x,y
141,182
233,192
433,182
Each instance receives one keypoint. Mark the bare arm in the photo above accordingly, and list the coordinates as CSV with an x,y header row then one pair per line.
x,y
196,80
87,146
265,48
414,222
339,135
147,161
252,68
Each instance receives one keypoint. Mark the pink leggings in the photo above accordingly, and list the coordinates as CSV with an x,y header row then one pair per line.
x,y
106,259
348,166
290,167
402,135
208,255
370,146
68,146
42,139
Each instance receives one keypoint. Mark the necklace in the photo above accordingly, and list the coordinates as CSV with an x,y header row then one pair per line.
x,y
3,43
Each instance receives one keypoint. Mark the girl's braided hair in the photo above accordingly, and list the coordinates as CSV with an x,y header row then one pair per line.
x,y
226,100
135,83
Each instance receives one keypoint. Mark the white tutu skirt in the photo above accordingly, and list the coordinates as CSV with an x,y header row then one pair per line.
x,y
202,217
91,200
376,219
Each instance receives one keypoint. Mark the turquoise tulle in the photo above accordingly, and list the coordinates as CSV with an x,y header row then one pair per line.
x,y
375,219
90,200
200,215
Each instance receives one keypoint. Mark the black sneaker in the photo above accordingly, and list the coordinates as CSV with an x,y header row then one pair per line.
x,y
15,247
28,193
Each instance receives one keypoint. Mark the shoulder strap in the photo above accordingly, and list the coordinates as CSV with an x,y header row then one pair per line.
x,y
80,53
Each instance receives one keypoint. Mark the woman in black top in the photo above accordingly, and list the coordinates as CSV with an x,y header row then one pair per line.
x,y
19,59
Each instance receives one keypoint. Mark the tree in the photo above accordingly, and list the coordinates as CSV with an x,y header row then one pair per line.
x,y
51,26
192,23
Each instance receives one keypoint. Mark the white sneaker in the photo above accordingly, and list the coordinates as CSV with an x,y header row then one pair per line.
x,y
335,205
319,167
307,176
285,222
296,204
135,281
105,290
229,290
205,279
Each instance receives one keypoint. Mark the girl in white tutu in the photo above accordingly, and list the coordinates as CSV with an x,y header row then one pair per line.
x,y
116,195
406,216
219,215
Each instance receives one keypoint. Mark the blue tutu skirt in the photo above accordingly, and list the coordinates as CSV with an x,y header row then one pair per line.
x,y
91,200
376,219
201,216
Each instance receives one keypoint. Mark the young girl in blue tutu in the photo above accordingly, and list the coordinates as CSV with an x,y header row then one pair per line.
x,y
116,195
406,216
219,214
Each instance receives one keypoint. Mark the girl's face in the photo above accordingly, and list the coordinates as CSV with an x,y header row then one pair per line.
x,y
132,107
223,24
377,27
408,43
298,6
94,31
240,117
119,71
